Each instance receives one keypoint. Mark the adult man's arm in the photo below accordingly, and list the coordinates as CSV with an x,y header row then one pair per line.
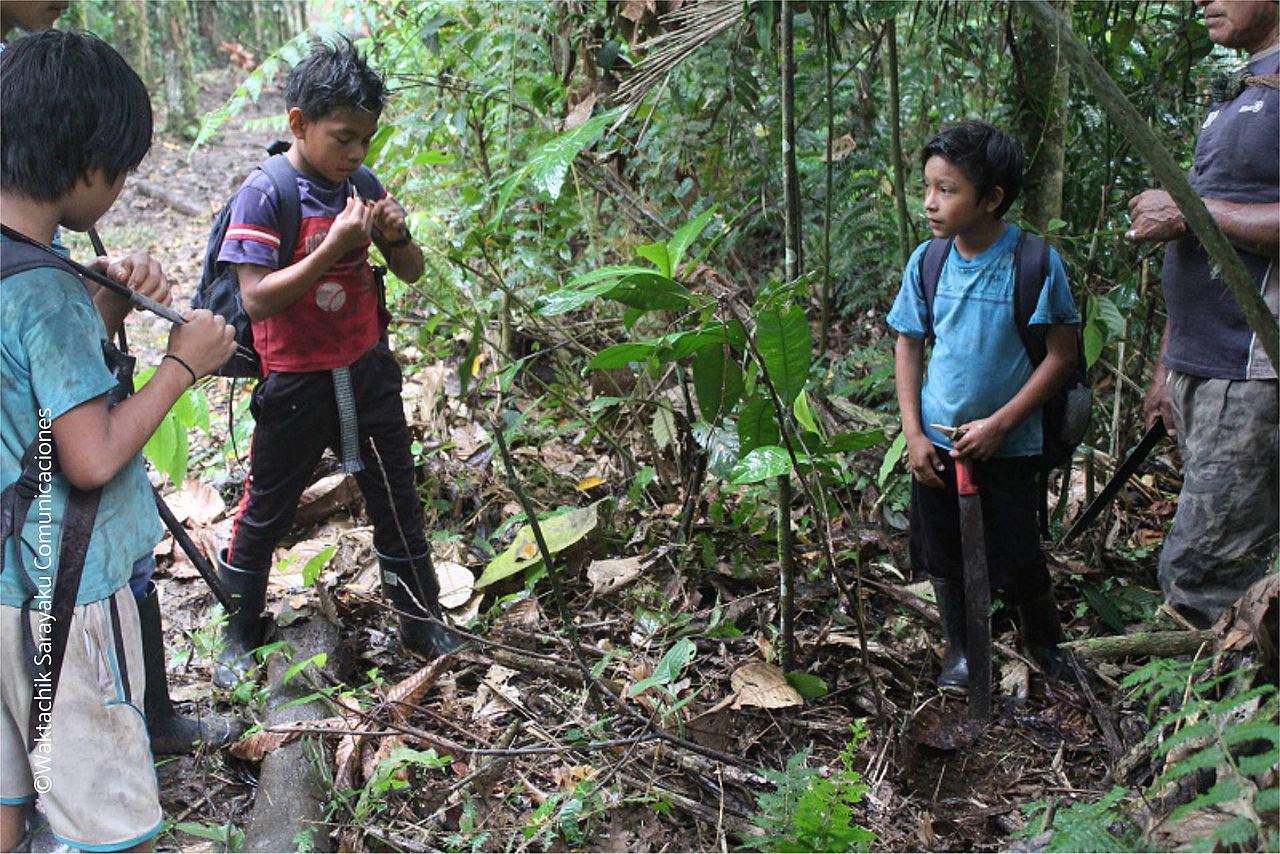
x,y
1255,228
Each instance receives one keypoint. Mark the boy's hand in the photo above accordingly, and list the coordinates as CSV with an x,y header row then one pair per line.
x,y
139,272
204,342
979,440
352,228
389,221
925,464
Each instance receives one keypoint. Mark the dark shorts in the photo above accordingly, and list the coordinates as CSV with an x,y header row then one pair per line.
x,y
1010,496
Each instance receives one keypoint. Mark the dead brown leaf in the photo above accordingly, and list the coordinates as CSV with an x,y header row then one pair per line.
x,y
607,576
196,503
757,683
580,113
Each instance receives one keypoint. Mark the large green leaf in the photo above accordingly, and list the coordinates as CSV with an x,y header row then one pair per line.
x,y
855,441
560,532
650,292
658,254
717,381
568,299
680,242
757,425
891,458
667,673
617,271
545,169
761,464
804,414
621,355
785,343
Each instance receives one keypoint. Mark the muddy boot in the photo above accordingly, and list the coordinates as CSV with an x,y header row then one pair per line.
x,y
244,629
1041,633
170,731
410,585
954,676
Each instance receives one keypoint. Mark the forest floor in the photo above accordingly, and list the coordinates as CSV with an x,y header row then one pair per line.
x,y
933,781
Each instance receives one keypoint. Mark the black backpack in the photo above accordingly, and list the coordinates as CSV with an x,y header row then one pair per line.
x,y
219,288
1065,416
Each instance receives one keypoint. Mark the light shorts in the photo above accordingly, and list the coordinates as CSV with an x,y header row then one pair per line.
x,y
93,773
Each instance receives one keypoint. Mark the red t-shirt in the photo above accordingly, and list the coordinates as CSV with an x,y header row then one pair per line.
x,y
337,320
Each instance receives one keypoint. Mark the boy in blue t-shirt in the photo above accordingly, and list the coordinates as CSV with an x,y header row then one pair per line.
x,y
331,380
77,120
980,381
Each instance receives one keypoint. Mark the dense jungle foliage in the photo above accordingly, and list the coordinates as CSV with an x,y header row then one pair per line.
x,y
599,190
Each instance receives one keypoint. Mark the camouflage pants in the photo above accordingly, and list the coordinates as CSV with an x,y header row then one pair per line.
x,y
1225,531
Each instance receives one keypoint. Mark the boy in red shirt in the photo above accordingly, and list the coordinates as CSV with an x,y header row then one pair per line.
x,y
331,380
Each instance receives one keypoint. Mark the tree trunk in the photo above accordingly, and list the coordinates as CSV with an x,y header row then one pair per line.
x,y
133,36
792,265
1042,116
895,128
179,69
828,52
207,13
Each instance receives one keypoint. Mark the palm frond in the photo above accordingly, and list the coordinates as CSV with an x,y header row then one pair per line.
x,y
687,29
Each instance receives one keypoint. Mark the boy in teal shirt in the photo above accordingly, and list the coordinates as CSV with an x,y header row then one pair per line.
x,y
76,120
981,381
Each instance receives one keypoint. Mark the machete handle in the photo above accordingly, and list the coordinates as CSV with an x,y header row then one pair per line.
x,y
966,481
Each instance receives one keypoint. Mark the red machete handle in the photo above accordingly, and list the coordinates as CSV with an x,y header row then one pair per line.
x,y
966,483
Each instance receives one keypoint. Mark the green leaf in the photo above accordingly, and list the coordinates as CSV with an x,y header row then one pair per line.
x,y
1094,342
804,414
650,292
717,382
1098,600
658,254
761,464
855,440
615,272
469,358
560,532
1056,224
311,571
319,660
680,242
569,299
784,340
757,425
810,687
621,355
664,428
891,458
432,157
667,673
546,168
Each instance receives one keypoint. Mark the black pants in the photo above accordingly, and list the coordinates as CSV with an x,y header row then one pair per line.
x,y
1009,492
297,419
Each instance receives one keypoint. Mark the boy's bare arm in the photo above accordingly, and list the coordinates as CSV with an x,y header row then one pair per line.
x,y
267,292
908,361
983,437
391,233
95,443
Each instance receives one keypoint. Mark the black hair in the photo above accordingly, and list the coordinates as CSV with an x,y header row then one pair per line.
x,y
69,104
332,77
988,157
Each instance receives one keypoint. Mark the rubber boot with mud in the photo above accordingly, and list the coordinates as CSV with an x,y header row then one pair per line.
x,y
410,585
954,676
1041,629
172,733
245,627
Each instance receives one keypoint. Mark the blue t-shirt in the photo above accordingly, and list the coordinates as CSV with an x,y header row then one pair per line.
x,y
51,338
978,362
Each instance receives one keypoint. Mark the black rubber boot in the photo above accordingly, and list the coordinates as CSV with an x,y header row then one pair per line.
x,y
171,732
1041,630
410,585
954,676
245,626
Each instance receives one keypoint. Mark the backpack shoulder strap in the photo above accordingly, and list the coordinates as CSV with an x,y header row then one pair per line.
x,y
285,179
1031,271
366,184
932,261
18,257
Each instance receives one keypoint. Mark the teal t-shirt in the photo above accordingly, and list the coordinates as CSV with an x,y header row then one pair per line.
x,y
51,338
978,362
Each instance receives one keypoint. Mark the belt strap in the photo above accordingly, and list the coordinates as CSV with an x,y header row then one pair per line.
x,y
348,425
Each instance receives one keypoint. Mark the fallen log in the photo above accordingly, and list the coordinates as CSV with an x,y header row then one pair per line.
x,y
160,194
1141,645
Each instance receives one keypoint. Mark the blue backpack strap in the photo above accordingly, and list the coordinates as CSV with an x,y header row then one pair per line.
x,y
285,179
932,261
1031,272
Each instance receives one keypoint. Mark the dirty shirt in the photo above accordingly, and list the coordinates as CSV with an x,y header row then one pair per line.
x,y
337,320
978,362
51,338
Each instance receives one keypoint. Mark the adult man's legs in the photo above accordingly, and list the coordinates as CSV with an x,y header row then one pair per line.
x,y
1225,531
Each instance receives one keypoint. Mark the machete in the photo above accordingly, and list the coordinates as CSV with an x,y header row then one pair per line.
x,y
1150,439
977,590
